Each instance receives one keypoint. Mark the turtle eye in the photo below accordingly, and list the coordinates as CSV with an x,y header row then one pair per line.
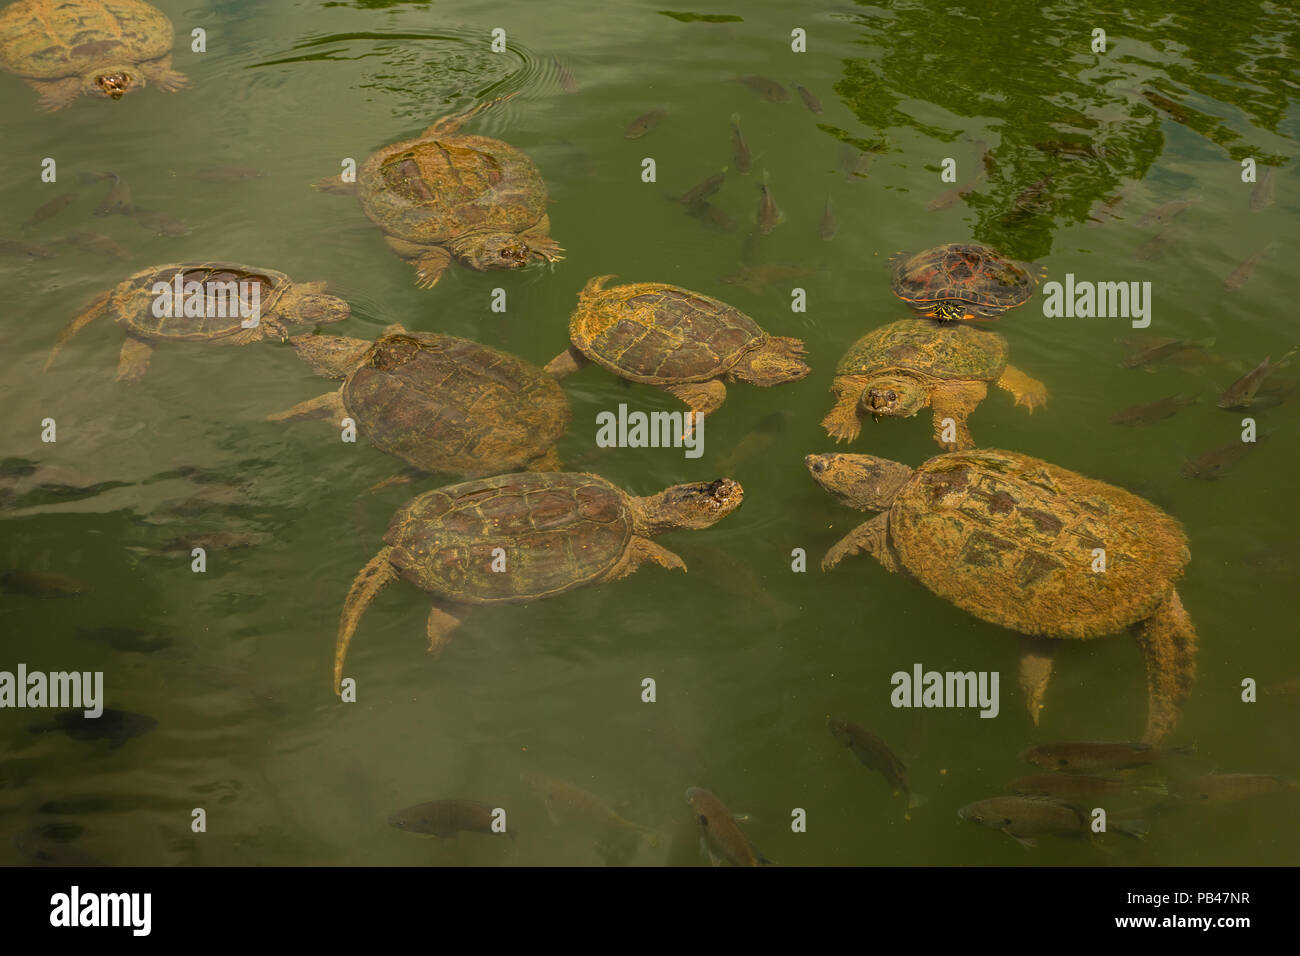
x,y
818,467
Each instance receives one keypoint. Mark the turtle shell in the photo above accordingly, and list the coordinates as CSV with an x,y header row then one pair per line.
x,y
986,281
133,300
933,350
659,334
559,531
1011,540
429,190
446,404
49,39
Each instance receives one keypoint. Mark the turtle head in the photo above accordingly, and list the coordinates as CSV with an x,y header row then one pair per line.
x,y
949,311
491,251
893,395
307,303
864,482
694,505
777,360
113,82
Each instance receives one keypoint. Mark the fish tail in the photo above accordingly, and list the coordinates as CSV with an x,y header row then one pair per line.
x,y
735,120
372,579
1138,829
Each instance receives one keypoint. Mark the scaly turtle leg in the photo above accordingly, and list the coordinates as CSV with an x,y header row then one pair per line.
x,y
329,405
548,462
956,400
566,363
57,94
1029,392
161,73
441,624
1036,655
79,322
843,423
133,362
401,478
540,242
870,537
372,579
639,551
429,261
704,398
1168,641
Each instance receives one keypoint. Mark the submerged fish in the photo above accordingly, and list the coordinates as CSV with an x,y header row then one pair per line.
x,y
1065,149
46,584
40,846
1157,245
856,162
756,279
214,541
160,222
809,100
1261,197
946,199
875,754
1149,412
712,215
829,225
644,123
118,199
445,818
722,836
32,250
1241,275
97,243
1214,463
1241,393
739,148
1230,787
1103,210
51,208
1033,200
770,90
1164,213
703,190
768,215
1173,110
227,174
128,638
1025,817
1076,787
1087,756
757,442
1158,349
568,804
117,726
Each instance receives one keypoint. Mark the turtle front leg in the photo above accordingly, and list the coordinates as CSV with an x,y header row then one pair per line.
x,y
843,423
57,94
639,551
1029,392
952,402
161,73
704,398
870,537
430,261
1168,641
547,462
329,405
1036,656
540,242
133,361
79,322
439,627
566,363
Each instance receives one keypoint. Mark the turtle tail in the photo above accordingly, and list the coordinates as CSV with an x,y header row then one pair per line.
x,y
1168,642
372,579
84,318
449,124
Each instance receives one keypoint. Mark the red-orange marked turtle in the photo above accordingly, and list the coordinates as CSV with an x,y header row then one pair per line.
x,y
961,281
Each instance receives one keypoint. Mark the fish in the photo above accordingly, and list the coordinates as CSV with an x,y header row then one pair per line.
x,y
875,754
644,123
947,198
32,250
569,804
1076,787
856,163
1023,818
756,279
567,82
758,441
739,148
1166,212
118,199
712,215
1174,111
1241,275
768,215
1214,464
446,818
809,100
1149,412
1241,393
703,190
1033,200
1229,787
1287,689
227,174
1070,150
51,208
1261,197
1103,210
1157,245
97,243
214,541
1087,756
768,89
160,222
722,837
128,638
829,225
1150,351
118,726
44,584
42,846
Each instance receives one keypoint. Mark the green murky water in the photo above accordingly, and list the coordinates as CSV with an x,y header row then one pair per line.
x,y
749,658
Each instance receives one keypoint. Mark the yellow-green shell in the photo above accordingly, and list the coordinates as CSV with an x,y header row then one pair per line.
x,y
50,39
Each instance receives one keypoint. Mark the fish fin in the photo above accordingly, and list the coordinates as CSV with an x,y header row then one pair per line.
x,y
1027,842
1138,829
915,800
714,859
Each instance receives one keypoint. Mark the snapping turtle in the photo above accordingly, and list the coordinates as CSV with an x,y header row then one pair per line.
x,y
447,195
549,532
67,48
682,341
216,299
961,281
899,369
440,403
1017,542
